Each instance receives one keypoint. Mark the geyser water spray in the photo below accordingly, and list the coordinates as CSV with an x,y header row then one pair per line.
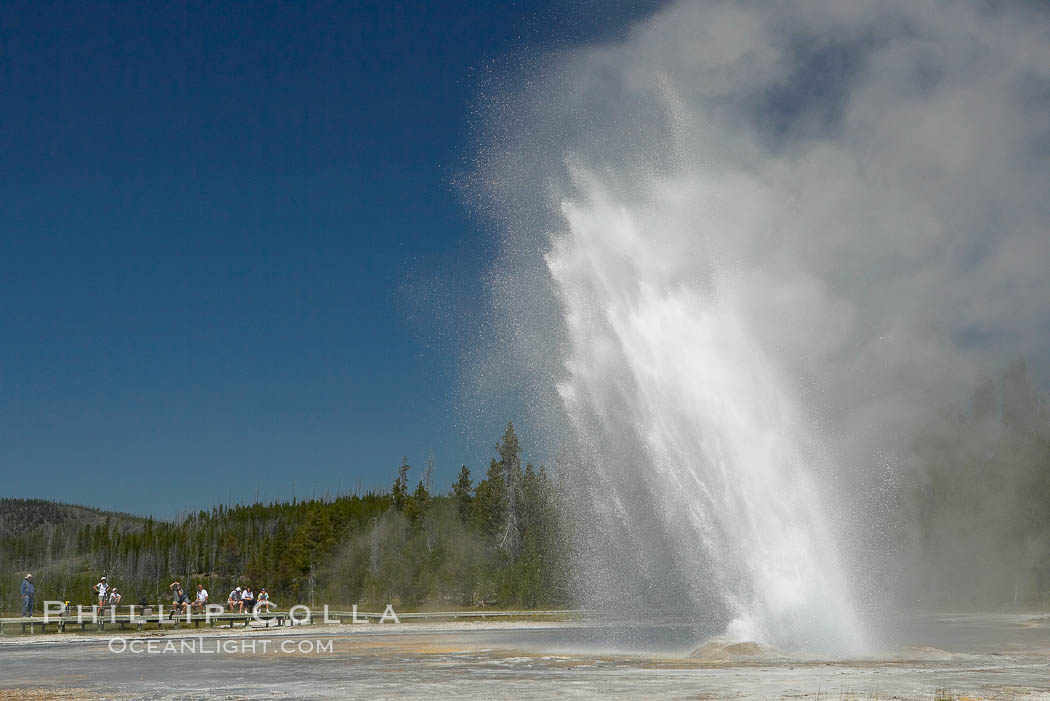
x,y
663,361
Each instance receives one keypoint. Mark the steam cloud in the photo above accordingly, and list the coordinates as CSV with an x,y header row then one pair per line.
x,y
868,182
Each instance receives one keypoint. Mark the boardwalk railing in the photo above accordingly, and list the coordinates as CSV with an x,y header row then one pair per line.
x,y
61,623
361,616
279,618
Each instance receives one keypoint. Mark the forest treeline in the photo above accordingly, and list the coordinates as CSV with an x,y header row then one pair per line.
x,y
493,542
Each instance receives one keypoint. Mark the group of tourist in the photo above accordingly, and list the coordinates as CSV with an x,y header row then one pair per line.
x,y
106,594
181,600
241,600
246,600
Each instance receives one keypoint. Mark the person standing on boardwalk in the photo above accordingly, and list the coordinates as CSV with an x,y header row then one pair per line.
x,y
102,591
28,591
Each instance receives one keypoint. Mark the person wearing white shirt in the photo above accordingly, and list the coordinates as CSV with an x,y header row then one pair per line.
x,y
247,600
202,598
102,590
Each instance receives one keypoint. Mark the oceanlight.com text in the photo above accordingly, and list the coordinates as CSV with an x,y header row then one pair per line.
x,y
200,645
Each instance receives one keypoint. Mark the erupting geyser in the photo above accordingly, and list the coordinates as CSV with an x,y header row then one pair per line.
x,y
664,363
750,247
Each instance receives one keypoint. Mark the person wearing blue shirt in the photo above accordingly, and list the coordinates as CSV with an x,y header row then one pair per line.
x,y
28,590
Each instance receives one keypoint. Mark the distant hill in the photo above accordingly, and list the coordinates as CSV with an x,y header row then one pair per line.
x,y
18,516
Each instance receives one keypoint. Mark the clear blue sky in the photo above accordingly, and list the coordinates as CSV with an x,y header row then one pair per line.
x,y
211,220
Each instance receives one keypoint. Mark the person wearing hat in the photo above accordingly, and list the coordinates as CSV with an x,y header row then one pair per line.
x,y
235,599
264,599
102,591
28,591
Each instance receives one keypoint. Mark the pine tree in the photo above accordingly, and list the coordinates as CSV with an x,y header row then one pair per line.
x,y
461,492
416,506
488,508
400,490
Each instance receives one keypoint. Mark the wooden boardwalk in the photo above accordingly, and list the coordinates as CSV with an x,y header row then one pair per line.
x,y
449,615
61,624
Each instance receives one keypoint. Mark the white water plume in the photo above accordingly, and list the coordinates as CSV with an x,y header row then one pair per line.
x,y
748,250
666,363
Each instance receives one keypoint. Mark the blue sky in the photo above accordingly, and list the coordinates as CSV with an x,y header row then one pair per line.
x,y
212,221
